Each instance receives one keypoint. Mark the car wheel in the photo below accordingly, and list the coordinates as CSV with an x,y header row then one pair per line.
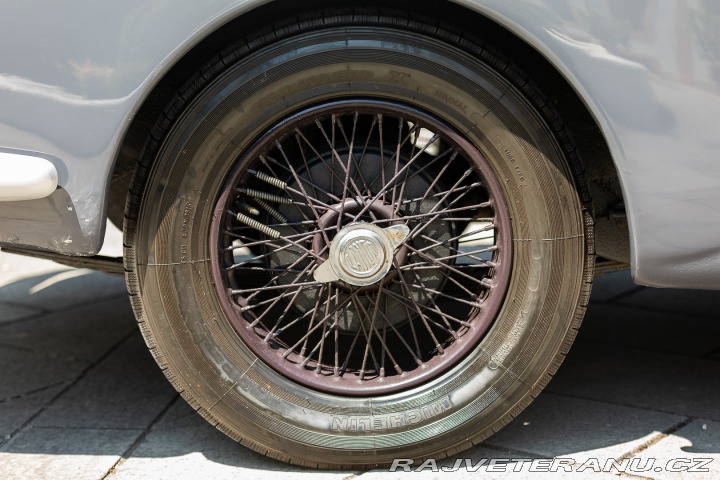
x,y
359,237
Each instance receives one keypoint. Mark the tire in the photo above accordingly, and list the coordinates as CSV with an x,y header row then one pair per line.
x,y
415,350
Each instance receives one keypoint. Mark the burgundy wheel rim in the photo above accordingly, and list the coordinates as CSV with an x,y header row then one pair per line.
x,y
341,163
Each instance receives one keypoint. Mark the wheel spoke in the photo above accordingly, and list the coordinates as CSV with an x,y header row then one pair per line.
x,y
422,316
321,192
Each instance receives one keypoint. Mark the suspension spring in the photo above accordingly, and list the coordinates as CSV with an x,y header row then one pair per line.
x,y
276,182
265,196
251,222
269,209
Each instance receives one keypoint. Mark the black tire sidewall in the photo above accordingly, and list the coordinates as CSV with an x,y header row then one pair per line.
x,y
221,376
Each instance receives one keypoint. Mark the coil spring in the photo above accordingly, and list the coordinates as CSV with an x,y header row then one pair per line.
x,y
265,196
275,182
251,222
269,209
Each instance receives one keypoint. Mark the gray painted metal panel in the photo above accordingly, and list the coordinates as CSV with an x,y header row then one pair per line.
x,y
648,71
72,74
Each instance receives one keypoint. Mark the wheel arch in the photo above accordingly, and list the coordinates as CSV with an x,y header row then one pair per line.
x,y
554,78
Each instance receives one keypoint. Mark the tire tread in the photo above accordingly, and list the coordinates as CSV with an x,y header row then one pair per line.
x,y
334,17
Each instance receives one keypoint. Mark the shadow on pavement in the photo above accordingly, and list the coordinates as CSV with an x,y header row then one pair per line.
x,y
78,381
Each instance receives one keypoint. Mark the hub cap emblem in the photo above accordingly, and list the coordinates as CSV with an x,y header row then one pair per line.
x,y
361,254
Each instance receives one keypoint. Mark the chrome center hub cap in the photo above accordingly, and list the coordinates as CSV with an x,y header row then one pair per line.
x,y
361,254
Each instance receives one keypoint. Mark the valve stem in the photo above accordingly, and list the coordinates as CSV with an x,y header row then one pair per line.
x,y
248,208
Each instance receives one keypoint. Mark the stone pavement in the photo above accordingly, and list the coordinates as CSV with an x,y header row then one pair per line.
x,y
80,397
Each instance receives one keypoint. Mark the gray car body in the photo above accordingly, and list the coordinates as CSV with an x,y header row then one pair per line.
x,y
73,77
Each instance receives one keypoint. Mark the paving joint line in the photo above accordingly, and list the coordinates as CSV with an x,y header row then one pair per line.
x,y
31,392
62,392
54,355
75,427
141,438
657,438
66,309
653,441
17,348
620,404
34,309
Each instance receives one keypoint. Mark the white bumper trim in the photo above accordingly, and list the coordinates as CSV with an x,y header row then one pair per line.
x,y
25,177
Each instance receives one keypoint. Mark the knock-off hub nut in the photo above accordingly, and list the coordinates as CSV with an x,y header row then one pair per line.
x,y
361,254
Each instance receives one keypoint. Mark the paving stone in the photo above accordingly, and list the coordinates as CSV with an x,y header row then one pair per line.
x,y
629,394
184,446
57,453
58,290
635,327
611,285
15,412
10,313
665,382
24,371
684,302
85,333
557,426
694,443
17,267
127,390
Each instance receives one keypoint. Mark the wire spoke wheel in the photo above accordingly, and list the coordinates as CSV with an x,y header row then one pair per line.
x,y
357,236
352,164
